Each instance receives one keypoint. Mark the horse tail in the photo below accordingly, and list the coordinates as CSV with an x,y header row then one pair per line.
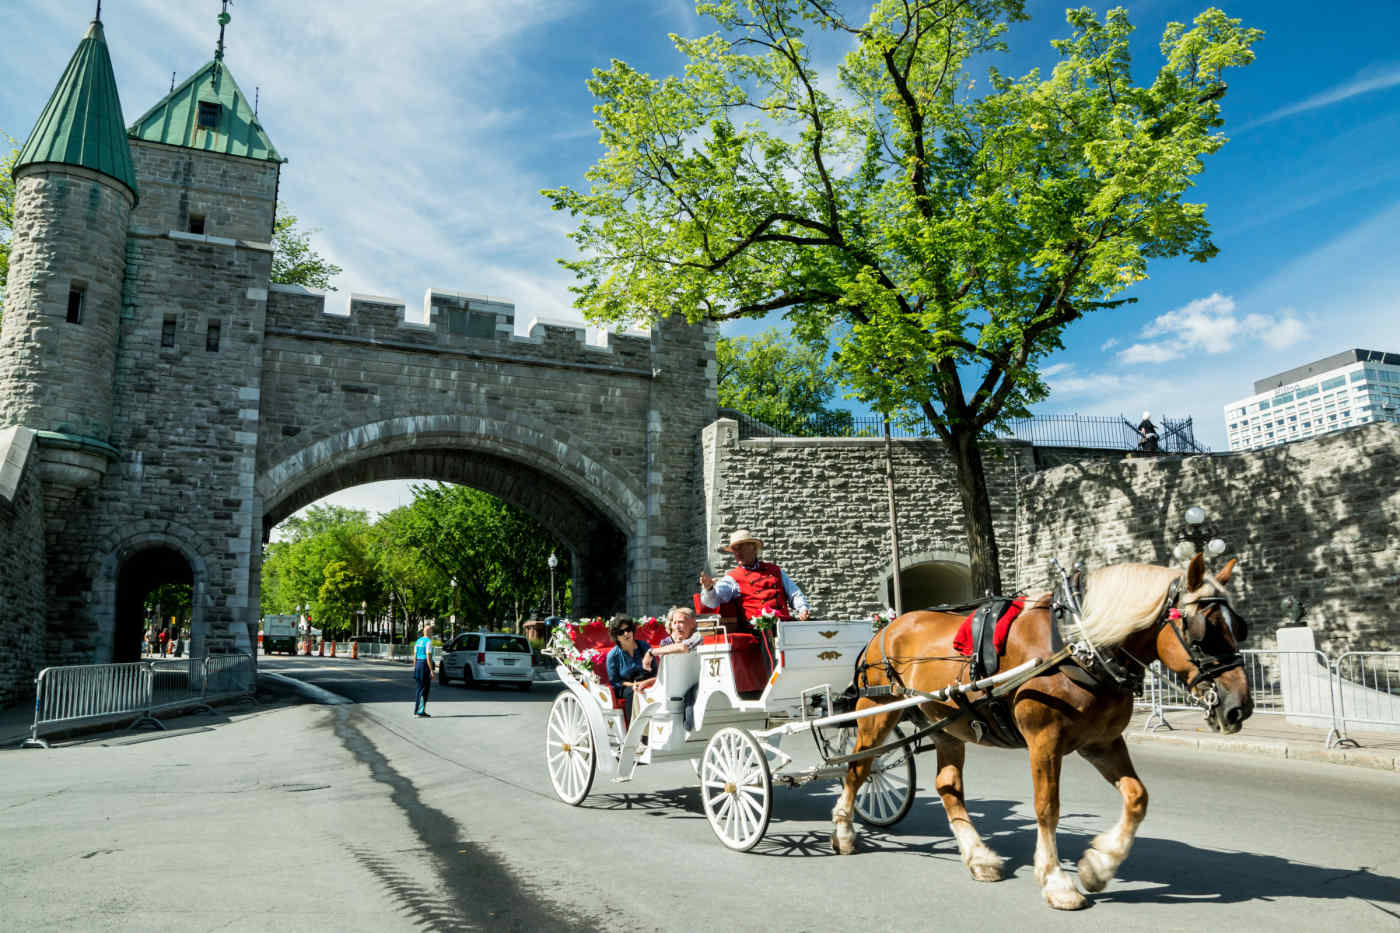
x,y
845,701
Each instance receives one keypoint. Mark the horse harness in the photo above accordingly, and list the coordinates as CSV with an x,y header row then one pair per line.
x,y
1093,667
990,714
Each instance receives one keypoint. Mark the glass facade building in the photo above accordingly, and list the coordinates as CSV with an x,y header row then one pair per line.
x,y
1339,391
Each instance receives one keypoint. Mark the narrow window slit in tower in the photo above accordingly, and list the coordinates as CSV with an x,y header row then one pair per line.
x,y
167,331
211,340
196,223
76,298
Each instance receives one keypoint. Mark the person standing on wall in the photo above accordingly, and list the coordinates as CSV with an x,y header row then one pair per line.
x,y
423,669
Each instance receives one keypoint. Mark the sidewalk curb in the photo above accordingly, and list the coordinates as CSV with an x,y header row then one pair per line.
x,y
1270,748
312,692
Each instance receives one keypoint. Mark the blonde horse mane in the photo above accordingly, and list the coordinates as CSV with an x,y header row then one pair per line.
x,y
1122,599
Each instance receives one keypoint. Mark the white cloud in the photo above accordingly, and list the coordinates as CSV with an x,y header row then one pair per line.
x,y
1210,325
1149,353
1108,344
1365,81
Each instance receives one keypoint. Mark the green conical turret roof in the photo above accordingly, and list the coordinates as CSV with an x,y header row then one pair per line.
x,y
82,123
235,129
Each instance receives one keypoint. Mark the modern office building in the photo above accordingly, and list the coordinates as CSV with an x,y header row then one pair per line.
x,y
1339,391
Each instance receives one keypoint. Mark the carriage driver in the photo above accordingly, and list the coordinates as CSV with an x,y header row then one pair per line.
x,y
760,585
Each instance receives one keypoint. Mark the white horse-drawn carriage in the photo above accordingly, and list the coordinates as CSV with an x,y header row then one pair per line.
x,y
750,692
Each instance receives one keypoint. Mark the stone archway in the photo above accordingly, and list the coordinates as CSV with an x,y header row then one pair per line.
x,y
928,578
139,574
128,566
554,480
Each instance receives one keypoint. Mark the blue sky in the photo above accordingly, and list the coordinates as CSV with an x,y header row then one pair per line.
x,y
419,133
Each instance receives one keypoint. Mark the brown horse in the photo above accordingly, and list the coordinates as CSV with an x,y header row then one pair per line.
x,y
1133,614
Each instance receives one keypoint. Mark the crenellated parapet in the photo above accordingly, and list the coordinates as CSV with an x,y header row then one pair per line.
x,y
450,322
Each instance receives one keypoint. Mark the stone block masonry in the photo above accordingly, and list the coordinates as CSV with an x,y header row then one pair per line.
x,y
21,564
1317,520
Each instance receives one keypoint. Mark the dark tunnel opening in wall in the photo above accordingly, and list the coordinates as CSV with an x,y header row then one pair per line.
x,y
597,546
933,583
141,574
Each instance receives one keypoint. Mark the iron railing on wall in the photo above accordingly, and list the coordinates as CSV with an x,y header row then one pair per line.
x,y
1101,432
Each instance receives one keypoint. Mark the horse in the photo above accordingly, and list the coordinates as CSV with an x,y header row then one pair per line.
x,y
1133,614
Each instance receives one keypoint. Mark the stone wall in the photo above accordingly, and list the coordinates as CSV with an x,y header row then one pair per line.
x,y
69,233
820,506
1318,520
22,560
236,196
185,423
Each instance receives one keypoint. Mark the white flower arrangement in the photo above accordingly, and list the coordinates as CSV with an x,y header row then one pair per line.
x,y
765,619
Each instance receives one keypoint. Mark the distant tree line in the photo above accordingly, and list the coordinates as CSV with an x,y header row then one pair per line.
x,y
403,567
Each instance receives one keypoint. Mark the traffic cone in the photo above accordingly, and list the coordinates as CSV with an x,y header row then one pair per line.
x,y
321,649
332,649
354,651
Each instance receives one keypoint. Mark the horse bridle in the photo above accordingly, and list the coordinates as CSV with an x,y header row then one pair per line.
x,y
1208,666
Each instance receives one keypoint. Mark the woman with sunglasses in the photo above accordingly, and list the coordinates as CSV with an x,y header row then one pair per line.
x,y
625,669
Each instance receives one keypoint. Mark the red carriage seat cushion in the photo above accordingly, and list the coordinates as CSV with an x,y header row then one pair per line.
x,y
731,611
962,641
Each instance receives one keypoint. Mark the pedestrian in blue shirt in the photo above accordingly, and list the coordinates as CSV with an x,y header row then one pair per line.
x,y
423,669
625,668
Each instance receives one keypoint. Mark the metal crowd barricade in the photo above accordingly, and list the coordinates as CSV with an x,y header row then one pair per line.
x,y
1162,690
1297,685
73,696
1368,689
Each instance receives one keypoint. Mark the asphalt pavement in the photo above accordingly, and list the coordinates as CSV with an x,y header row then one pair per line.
x,y
296,815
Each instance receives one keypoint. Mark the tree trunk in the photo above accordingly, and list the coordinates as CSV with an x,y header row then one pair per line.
x,y
977,513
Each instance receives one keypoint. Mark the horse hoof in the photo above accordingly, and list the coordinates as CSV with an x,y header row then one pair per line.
x,y
986,871
1065,897
1095,870
843,843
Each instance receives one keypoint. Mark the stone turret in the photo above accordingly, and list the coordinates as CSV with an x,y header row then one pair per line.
x,y
74,193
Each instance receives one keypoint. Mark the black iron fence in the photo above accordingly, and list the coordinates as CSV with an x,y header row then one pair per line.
x,y
1102,432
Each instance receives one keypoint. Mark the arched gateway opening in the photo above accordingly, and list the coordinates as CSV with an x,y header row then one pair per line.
x,y
596,546
930,580
142,573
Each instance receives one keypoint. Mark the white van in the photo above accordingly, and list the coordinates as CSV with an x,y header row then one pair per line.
x,y
487,657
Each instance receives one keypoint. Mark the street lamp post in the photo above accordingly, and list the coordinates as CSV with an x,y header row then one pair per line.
x,y
1198,536
452,627
553,562
360,628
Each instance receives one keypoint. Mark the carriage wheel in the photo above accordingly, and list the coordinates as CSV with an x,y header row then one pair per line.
x,y
569,750
736,788
888,793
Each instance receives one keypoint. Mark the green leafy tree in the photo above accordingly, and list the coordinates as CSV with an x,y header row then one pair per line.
x,y
7,212
941,233
497,554
294,261
409,585
170,599
325,563
781,382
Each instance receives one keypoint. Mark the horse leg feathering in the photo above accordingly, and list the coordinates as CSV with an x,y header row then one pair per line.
x,y
981,861
1106,853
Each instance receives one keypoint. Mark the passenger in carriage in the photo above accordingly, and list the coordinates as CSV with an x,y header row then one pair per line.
x,y
758,584
680,623
626,671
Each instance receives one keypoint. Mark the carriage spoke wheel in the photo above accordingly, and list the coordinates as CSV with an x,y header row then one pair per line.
x,y
736,788
569,749
888,793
